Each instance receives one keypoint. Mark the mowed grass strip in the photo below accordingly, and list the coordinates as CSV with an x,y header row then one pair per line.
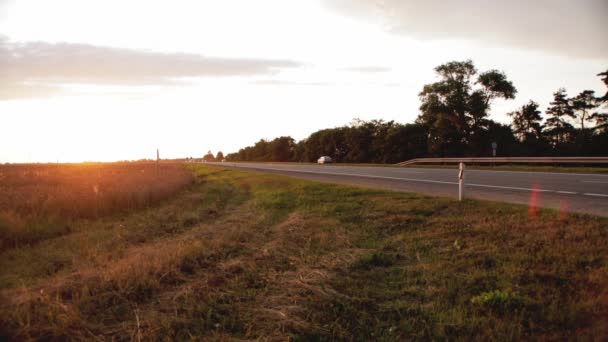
x,y
241,255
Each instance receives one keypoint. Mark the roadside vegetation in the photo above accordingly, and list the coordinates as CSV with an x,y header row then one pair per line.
x,y
242,255
454,121
40,201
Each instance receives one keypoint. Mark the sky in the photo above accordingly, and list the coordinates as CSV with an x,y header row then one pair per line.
x,y
115,80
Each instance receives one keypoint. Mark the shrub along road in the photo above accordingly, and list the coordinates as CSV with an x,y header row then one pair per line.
x,y
567,192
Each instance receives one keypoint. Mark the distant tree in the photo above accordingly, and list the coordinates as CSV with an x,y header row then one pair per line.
x,y
528,128
327,142
259,151
559,129
582,106
599,141
604,76
454,112
313,146
363,141
453,121
219,156
601,117
527,121
208,157
404,142
508,145
298,151
281,149
359,139
380,149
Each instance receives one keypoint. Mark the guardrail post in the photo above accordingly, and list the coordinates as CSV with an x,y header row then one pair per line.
x,y
461,167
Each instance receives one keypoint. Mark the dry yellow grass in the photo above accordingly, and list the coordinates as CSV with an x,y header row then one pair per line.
x,y
38,201
244,256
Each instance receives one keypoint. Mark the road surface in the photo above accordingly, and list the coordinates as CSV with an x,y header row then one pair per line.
x,y
573,192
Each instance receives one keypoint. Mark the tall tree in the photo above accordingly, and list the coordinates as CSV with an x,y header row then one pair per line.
x,y
282,149
604,76
582,105
455,109
559,130
219,156
208,156
601,117
527,121
404,142
527,126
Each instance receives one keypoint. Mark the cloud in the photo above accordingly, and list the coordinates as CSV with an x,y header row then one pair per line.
x,y
560,27
370,69
4,5
291,83
34,69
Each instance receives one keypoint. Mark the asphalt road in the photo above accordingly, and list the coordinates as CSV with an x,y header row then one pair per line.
x,y
572,192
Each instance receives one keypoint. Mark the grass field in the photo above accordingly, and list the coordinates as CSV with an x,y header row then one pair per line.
x,y
39,201
240,255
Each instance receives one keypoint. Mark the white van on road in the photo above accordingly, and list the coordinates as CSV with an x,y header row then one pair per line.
x,y
324,160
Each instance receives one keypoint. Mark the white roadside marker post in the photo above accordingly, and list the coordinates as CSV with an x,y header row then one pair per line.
x,y
461,181
157,161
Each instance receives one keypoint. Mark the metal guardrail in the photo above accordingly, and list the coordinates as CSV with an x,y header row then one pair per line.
x,y
519,160
514,160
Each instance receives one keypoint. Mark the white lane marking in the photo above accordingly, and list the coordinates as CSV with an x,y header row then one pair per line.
x,y
567,192
359,175
402,171
508,187
394,178
540,172
595,195
600,182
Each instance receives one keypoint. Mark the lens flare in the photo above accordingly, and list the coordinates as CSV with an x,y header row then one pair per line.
x,y
563,209
533,204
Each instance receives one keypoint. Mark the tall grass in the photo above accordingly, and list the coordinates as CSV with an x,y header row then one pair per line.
x,y
246,256
39,201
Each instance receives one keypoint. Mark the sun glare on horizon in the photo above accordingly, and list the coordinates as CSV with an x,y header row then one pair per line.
x,y
221,76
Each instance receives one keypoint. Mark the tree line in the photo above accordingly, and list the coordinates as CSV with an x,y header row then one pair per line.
x,y
454,121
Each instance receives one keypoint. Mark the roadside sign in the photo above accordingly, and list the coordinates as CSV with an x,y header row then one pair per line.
x,y
494,146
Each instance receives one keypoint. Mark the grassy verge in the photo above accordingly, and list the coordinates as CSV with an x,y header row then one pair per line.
x,y
242,255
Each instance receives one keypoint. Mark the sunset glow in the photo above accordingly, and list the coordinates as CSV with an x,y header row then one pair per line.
x,y
112,80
